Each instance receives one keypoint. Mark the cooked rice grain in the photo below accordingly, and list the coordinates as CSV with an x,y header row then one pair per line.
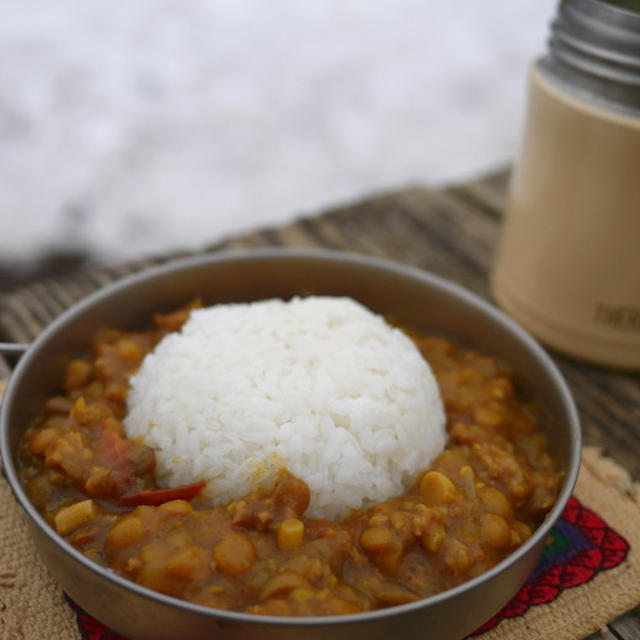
x,y
319,385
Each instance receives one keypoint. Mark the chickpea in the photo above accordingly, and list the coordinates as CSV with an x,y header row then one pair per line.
x,y
376,539
234,554
83,413
302,595
72,465
98,481
77,375
436,488
133,566
495,501
153,554
94,389
105,368
42,439
58,479
494,531
116,392
83,536
433,537
39,490
58,405
188,563
487,417
170,321
126,532
282,583
435,344
456,556
395,594
378,518
468,480
176,507
470,375
152,571
129,350
263,518
519,532
290,534
502,388
179,539
399,520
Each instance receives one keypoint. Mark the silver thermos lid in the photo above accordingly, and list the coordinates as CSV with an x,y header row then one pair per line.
x,y
594,50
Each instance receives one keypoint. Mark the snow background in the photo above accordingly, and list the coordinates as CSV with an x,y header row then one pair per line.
x,y
136,127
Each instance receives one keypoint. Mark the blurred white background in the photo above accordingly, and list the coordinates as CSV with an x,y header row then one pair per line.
x,y
130,128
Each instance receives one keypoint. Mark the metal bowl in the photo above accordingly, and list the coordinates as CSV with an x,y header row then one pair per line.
x,y
407,295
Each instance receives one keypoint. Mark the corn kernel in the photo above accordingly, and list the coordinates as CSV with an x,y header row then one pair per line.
x,y
290,534
70,518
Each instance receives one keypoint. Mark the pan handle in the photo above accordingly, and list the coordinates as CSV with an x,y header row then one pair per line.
x,y
13,348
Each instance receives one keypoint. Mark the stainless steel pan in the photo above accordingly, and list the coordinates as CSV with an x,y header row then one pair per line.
x,y
407,295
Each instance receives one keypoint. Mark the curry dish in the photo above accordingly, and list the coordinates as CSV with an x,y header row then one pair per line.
x,y
480,499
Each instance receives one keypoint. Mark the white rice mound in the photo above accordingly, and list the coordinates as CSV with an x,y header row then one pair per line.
x,y
319,385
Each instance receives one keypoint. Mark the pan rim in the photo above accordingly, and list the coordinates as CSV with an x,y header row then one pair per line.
x,y
468,298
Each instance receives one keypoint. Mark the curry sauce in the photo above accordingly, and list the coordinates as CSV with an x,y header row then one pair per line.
x,y
474,505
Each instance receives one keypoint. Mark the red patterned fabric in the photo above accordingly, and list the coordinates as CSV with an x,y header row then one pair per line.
x,y
580,546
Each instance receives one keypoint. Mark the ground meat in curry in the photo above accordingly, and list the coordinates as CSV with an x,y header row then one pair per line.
x,y
479,500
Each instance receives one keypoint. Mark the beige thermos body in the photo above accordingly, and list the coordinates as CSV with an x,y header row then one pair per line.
x,y
568,260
